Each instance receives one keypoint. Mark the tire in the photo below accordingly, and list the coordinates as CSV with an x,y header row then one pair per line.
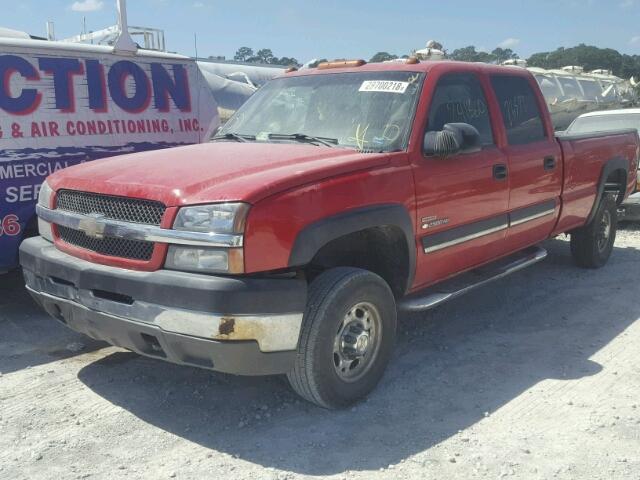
x,y
343,302
591,245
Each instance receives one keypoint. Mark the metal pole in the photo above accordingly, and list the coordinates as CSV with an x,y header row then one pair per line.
x,y
124,41
51,34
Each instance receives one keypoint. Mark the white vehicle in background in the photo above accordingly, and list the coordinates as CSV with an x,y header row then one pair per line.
x,y
606,121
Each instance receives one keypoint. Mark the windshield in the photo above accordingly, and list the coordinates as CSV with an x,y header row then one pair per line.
x,y
368,111
605,123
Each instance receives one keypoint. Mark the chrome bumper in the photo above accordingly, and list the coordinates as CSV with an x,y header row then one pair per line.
x,y
272,332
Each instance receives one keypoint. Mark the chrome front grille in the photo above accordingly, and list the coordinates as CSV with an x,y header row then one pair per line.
x,y
123,209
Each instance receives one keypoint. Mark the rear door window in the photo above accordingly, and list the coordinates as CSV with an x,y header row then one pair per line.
x,y
459,98
520,111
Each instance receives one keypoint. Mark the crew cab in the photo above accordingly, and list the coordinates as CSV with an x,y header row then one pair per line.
x,y
334,198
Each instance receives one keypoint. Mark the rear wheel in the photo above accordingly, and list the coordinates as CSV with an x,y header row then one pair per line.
x,y
591,245
347,337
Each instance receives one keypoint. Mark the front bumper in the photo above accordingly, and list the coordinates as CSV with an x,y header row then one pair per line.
x,y
629,211
245,326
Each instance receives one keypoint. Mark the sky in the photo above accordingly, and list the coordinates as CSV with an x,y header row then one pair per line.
x,y
347,28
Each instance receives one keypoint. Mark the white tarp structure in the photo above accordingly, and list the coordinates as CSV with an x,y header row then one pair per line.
x,y
232,84
570,92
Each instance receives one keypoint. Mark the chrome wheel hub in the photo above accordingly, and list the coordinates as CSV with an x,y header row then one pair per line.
x,y
357,341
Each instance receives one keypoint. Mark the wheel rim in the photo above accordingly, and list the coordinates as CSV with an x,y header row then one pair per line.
x,y
604,231
357,342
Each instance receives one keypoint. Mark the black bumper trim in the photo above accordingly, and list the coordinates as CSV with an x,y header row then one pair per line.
x,y
206,293
240,358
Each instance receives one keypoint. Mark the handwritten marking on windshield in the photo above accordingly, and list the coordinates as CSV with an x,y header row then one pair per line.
x,y
359,139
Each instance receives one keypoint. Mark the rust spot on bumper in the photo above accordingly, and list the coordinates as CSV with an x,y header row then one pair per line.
x,y
227,325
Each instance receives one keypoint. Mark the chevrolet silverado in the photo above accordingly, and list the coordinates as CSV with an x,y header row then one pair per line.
x,y
334,198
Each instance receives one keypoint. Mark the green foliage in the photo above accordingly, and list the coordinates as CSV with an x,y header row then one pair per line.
x,y
382,57
243,54
470,54
264,55
503,54
285,61
589,57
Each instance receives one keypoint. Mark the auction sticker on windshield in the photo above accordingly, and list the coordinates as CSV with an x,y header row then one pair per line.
x,y
383,86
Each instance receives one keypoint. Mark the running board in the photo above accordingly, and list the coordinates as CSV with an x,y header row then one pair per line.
x,y
450,289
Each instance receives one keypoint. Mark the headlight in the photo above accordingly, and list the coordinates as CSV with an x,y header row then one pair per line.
x,y
217,218
205,260
224,218
44,199
45,195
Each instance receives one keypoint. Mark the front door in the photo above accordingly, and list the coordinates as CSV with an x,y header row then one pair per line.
x,y
462,201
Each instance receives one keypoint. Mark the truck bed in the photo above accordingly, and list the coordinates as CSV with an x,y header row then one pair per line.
x,y
584,157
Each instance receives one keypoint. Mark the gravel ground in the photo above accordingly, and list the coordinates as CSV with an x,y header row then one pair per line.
x,y
534,376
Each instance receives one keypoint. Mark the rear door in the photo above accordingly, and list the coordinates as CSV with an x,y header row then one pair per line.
x,y
535,161
462,200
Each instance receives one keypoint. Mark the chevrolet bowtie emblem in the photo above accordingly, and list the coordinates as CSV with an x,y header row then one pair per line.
x,y
93,225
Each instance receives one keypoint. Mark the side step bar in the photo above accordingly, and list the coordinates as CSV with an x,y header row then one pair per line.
x,y
433,296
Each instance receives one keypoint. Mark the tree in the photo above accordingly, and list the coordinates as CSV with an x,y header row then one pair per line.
x,y
470,54
264,55
503,54
285,61
589,57
243,54
382,57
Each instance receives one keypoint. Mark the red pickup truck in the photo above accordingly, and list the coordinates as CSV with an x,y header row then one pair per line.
x,y
334,197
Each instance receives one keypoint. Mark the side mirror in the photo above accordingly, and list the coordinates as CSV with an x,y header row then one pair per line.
x,y
454,138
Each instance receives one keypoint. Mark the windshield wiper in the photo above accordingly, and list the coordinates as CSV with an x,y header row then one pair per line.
x,y
303,137
234,136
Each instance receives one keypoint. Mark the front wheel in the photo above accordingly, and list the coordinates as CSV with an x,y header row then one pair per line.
x,y
347,337
591,245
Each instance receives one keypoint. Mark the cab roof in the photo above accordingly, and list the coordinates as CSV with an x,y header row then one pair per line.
x,y
423,66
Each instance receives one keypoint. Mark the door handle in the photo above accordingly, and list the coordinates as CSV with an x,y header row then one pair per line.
x,y
549,163
500,171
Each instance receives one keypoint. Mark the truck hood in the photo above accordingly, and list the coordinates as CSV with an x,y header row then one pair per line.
x,y
213,172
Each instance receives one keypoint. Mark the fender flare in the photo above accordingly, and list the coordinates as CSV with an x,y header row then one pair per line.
x,y
316,235
617,163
